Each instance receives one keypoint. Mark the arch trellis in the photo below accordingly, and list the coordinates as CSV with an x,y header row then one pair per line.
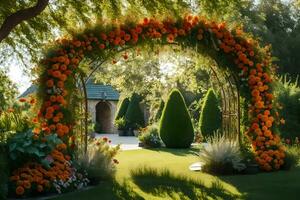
x,y
249,64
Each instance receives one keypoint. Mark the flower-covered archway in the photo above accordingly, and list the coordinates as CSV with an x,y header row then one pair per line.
x,y
231,48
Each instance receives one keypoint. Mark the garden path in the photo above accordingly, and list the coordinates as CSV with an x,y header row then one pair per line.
x,y
126,142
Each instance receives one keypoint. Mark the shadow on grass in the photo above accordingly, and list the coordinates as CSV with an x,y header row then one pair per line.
x,y
165,184
269,185
111,190
178,152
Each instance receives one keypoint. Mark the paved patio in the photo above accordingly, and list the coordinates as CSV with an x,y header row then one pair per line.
x,y
126,142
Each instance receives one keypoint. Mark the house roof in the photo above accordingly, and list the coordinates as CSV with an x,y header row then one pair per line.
x,y
94,92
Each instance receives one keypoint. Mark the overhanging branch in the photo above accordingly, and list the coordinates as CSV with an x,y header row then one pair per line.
x,y
18,17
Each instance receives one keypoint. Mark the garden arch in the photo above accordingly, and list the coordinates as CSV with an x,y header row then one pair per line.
x,y
233,50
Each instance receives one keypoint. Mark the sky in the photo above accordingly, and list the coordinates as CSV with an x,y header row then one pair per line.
x,y
17,76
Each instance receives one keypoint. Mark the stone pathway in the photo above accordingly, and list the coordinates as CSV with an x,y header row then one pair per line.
x,y
126,142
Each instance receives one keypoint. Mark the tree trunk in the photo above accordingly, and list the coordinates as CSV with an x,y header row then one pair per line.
x,y
18,17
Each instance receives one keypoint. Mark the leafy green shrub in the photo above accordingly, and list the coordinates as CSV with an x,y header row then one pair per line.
x,y
150,137
120,123
4,170
97,127
211,117
134,116
292,157
99,161
221,155
123,108
159,111
24,147
288,96
176,129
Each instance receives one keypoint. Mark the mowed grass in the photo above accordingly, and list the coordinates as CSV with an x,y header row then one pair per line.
x,y
164,174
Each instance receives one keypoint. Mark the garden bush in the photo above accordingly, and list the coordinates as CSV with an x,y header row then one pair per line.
x,y
25,147
288,97
149,137
292,157
134,116
211,117
221,155
99,161
123,108
176,129
120,123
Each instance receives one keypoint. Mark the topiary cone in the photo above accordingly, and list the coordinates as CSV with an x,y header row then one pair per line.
x,y
123,108
211,117
176,128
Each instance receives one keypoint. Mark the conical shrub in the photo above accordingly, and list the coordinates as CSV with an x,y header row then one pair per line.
x,y
211,116
123,108
176,128
134,116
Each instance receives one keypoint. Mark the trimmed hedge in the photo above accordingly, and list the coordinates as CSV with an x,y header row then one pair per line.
x,y
211,116
134,116
123,108
176,128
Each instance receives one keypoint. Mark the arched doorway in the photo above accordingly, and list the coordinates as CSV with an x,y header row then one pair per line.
x,y
103,116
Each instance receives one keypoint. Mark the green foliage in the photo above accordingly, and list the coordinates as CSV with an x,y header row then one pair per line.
x,y
211,117
8,91
176,129
134,116
159,111
221,156
120,123
150,137
292,157
25,147
288,96
4,172
123,108
99,161
63,17
97,127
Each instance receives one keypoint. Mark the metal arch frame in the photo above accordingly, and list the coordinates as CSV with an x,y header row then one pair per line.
x,y
230,102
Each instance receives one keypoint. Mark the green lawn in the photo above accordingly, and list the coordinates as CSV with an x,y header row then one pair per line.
x,y
164,174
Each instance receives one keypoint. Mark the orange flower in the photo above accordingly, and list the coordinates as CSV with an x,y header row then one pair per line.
x,y
60,84
20,190
53,98
282,121
22,100
27,184
56,119
170,38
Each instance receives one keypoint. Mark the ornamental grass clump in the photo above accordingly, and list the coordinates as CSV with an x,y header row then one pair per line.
x,y
221,155
99,161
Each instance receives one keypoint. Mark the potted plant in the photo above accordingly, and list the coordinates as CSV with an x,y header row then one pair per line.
x,y
121,126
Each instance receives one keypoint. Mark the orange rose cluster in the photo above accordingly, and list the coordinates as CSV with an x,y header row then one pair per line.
x,y
34,177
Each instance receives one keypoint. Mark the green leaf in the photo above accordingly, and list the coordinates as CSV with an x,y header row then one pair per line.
x,y
12,147
20,149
